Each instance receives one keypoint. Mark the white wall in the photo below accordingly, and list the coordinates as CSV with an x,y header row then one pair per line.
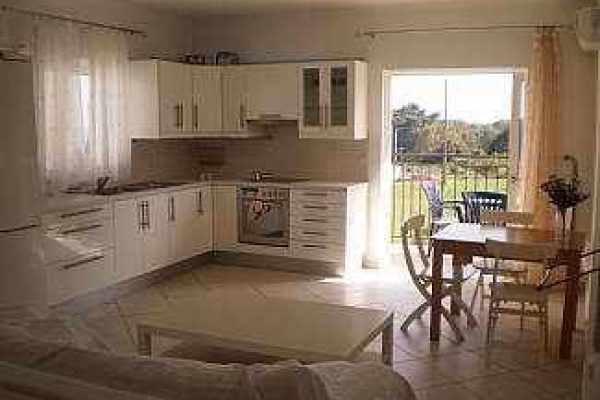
x,y
169,35
334,34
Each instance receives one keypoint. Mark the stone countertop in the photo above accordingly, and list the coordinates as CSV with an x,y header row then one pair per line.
x,y
70,201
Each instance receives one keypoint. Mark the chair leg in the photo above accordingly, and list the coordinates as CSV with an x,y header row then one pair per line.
x,y
453,325
522,314
490,323
545,325
481,284
471,320
415,314
472,306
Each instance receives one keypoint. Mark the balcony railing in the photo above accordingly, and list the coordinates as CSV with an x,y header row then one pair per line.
x,y
455,173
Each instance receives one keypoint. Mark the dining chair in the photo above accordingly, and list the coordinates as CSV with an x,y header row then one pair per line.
x,y
437,206
476,202
412,229
508,270
510,297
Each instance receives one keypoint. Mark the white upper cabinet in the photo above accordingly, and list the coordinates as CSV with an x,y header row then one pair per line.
x,y
273,91
234,84
175,98
333,100
206,112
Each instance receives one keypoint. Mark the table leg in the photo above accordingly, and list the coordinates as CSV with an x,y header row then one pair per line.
x,y
387,342
457,274
569,320
436,291
144,342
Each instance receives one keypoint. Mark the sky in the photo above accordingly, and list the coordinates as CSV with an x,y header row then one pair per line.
x,y
475,98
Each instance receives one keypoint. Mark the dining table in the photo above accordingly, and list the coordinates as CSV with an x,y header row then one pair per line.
x,y
463,241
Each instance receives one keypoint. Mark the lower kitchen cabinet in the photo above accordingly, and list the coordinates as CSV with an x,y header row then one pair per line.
x,y
190,223
141,236
155,231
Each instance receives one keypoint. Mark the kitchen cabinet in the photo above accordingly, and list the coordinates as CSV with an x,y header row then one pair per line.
x,y
175,98
272,91
235,100
141,235
329,225
190,222
333,100
206,112
225,217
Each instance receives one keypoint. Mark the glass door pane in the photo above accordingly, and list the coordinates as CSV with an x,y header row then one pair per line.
x,y
339,96
311,102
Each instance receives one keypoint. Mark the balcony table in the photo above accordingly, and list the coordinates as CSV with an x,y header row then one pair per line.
x,y
464,241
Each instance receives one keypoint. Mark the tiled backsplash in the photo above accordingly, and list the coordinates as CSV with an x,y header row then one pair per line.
x,y
283,153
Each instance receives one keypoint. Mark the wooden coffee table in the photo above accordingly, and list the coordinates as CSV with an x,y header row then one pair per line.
x,y
304,331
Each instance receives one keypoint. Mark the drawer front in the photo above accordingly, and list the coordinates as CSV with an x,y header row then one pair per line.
x,y
72,241
317,210
317,196
328,233
77,216
315,250
78,277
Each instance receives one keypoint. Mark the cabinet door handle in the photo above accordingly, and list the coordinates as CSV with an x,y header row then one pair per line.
x,y
82,229
199,203
196,117
314,246
242,116
316,207
171,213
323,116
313,233
314,194
314,220
177,116
82,262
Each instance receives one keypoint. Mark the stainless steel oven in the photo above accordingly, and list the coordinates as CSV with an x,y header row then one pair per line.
x,y
264,215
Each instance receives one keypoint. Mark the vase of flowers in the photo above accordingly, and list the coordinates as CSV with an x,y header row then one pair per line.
x,y
565,191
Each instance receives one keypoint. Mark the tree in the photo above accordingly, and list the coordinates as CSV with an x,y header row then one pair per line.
x,y
408,123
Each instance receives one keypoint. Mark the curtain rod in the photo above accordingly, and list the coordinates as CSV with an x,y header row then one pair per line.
x,y
16,10
374,32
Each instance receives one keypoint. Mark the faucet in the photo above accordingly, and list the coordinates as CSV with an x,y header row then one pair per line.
x,y
101,184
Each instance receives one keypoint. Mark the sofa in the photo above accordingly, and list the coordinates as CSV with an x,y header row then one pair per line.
x,y
31,368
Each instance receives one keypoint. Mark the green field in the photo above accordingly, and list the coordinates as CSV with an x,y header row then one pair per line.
x,y
409,198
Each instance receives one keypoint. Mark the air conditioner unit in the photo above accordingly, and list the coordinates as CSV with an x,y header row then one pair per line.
x,y
588,28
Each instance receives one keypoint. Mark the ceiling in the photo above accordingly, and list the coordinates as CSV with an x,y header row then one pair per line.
x,y
212,7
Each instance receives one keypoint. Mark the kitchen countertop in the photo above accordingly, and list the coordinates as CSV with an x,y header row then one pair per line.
x,y
70,201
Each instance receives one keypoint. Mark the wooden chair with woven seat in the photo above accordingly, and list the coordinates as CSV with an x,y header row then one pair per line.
x,y
514,271
529,301
422,280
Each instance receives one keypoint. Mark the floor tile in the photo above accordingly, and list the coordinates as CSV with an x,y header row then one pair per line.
x,y
447,392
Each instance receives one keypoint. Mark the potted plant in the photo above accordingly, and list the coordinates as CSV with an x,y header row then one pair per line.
x,y
565,191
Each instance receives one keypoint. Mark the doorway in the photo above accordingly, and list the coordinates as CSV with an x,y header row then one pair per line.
x,y
461,129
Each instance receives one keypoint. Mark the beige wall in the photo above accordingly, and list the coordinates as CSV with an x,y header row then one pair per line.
x,y
334,34
168,34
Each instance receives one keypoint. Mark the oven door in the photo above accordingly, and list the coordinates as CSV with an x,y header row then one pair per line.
x,y
264,222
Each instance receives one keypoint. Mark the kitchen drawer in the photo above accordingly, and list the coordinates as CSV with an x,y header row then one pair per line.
x,y
72,241
317,196
92,272
315,250
318,210
328,233
77,215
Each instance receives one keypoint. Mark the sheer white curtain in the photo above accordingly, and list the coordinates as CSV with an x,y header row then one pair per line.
x,y
81,82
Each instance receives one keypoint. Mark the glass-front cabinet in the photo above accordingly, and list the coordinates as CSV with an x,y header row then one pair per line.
x,y
333,100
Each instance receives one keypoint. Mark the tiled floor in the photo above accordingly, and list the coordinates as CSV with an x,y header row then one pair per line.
x,y
513,368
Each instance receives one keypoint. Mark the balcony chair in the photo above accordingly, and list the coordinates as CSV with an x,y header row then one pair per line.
x,y
528,299
511,270
476,202
422,280
437,206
